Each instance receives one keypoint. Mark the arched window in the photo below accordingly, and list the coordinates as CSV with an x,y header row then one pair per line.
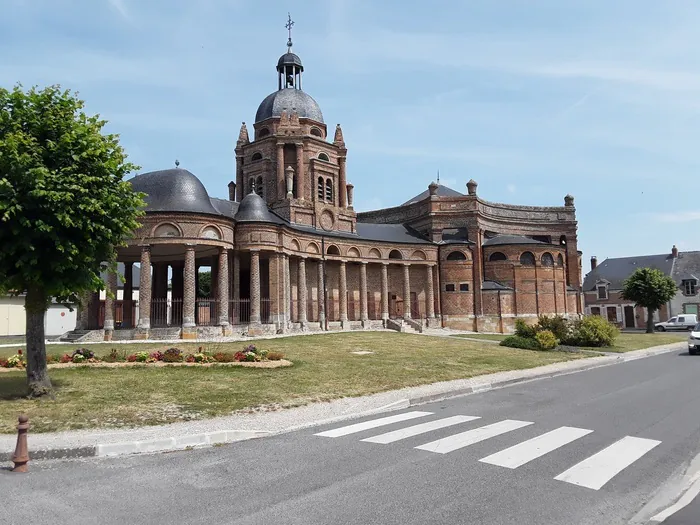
x,y
547,259
527,259
395,254
560,260
256,156
259,186
264,132
332,250
456,256
497,256
562,240
251,185
316,132
320,188
323,156
329,190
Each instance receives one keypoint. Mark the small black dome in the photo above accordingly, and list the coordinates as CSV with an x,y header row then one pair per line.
x,y
173,190
289,59
253,209
289,100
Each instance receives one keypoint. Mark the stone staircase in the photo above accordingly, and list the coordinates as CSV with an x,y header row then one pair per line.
x,y
407,326
73,336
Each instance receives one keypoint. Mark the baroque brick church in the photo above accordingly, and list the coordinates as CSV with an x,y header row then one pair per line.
x,y
288,252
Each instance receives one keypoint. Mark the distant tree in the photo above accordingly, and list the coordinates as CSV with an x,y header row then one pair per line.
x,y
64,207
204,288
651,289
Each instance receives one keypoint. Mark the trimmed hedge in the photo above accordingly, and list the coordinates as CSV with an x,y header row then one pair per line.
x,y
517,341
549,332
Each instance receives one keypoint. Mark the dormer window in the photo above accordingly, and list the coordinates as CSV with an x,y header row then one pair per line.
x,y
602,291
690,287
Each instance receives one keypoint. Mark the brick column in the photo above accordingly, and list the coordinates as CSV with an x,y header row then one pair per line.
x,y
301,291
385,292
321,294
236,287
281,184
363,294
110,304
128,296
343,292
430,293
145,292
189,327
239,178
254,287
341,183
406,291
301,189
223,288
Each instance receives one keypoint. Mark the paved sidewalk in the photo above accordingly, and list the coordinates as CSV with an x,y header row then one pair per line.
x,y
240,426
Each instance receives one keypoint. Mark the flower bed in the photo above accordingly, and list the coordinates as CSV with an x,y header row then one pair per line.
x,y
249,356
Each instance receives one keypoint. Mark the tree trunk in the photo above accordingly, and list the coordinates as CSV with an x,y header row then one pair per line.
x,y
650,320
37,373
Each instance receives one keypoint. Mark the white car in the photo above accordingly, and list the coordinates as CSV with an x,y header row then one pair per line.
x,y
679,322
694,340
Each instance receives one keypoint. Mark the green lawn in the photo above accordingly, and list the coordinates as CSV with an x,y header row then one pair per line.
x,y
625,342
324,369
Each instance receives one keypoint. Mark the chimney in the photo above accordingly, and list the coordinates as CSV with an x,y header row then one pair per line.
x,y
232,191
674,251
594,262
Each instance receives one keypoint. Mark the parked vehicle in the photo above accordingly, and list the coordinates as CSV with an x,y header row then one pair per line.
x,y
694,340
679,322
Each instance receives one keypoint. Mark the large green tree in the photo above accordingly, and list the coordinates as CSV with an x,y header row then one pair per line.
x,y
64,206
651,289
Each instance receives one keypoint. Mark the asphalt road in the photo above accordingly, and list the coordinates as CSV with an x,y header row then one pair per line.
x,y
610,437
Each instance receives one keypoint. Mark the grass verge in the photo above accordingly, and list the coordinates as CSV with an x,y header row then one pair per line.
x,y
625,342
324,368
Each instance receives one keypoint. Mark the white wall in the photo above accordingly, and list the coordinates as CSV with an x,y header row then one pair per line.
x,y
12,316
679,300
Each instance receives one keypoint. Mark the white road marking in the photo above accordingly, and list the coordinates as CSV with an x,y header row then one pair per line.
x,y
373,423
597,470
536,447
463,439
403,433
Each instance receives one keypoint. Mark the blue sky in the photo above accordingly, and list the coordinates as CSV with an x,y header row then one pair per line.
x,y
533,99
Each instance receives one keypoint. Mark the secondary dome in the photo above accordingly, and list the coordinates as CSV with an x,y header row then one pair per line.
x,y
290,59
174,189
252,209
289,100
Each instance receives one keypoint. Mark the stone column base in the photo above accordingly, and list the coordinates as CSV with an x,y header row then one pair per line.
x,y
345,325
255,329
189,332
108,335
142,333
226,330
434,322
366,325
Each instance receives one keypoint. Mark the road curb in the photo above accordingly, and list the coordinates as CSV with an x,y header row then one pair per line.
x,y
220,437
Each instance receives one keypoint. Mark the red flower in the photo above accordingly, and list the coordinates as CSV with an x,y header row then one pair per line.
x,y
19,352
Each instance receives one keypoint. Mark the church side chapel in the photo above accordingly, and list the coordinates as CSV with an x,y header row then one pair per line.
x,y
287,252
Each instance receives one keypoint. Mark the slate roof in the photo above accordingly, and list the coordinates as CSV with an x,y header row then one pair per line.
x,y
395,233
618,269
493,285
253,209
686,266
289,100
442,191
225,207
455,236
174,189
502,240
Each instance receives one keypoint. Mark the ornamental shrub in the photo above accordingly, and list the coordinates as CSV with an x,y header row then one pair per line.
x,y
15,361
66,358
173,355
517,341
275,356
593,330
84,353
558,325
223,357
522,329
546,340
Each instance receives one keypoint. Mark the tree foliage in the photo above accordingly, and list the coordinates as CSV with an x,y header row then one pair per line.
x,y
649,288
64,205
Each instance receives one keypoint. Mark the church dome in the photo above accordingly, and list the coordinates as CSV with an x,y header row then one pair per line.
x,y
290,59
289,100
173,190
253,209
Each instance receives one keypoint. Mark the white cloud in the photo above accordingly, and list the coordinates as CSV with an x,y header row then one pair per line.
x,y
120,7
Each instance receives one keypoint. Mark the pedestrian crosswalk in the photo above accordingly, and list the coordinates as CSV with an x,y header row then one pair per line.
x,y
593,472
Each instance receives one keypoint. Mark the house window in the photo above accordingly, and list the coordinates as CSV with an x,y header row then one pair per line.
x,y
497,256
602,291
595,310
456,256
320,188
547,259
329,190
527,259
449,287
259,186
464,287
323,156
689,287
256,156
